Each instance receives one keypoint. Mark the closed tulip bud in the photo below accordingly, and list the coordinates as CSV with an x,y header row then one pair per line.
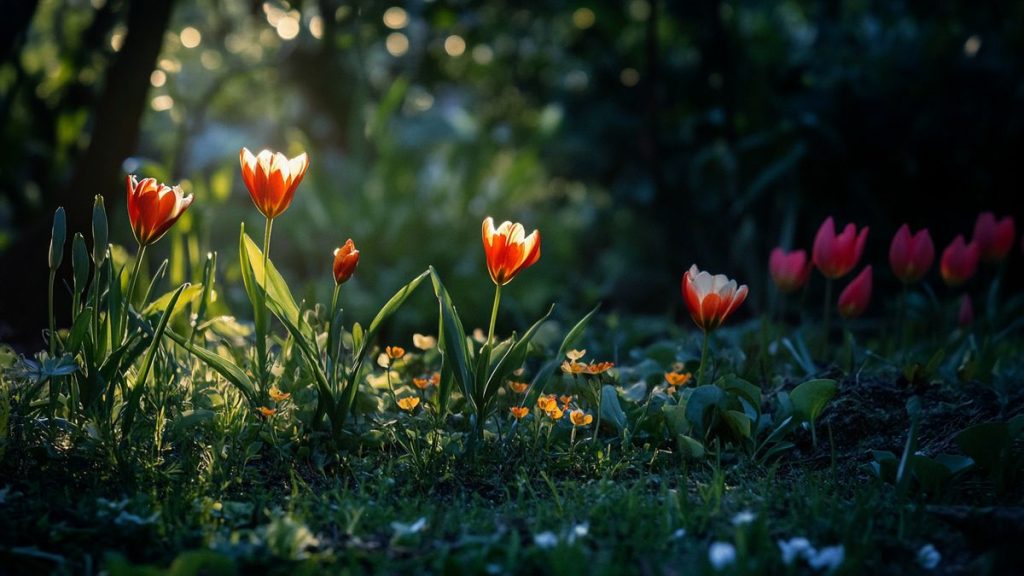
x,y
345,260
789,270
835,255
711,299
993,237
99,231
57,238
854,299
911,255
153,208
959,261
272,178
509,250
966,315
79,261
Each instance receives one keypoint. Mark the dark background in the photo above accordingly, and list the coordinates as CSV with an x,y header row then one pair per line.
x,y
638,136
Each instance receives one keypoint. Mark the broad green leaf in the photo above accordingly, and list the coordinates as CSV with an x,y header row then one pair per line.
x,y
675,417
811,397
223,366
738,422
704,400
689,448
452,340
735,385
160,304
611,410
277,288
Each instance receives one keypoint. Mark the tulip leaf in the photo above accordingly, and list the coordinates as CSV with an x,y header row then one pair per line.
x,y
575,333
513,357
135,395
611,410
810,398
276,287
452,340
568,343
259,312
160,304
223,366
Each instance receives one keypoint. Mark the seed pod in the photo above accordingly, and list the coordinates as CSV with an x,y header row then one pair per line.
x,y
57,238
99,231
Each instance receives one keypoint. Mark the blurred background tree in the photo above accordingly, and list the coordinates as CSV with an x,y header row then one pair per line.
x,y
638,136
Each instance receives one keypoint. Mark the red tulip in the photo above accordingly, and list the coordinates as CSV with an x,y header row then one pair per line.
x,y
272,179
153,208
966,316
789,270
994,238
345,260
911,255
711,299
959,261
509,250
836,255
854,299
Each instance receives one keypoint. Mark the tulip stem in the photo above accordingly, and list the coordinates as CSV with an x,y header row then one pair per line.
x,y
333,347
266,309
703,360
494,314
826,317
901,336
53,320
126,304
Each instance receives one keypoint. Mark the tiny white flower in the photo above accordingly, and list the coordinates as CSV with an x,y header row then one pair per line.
x,y
794,548
743,518
721,554
409,529
545,539
828,558
928,557
678,534
578,531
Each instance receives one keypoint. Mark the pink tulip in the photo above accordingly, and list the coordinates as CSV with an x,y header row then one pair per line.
x,y
911,255
835,255
959,261
789,270
854,299
994,237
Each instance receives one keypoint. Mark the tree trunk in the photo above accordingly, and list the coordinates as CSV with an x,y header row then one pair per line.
x,y
115,132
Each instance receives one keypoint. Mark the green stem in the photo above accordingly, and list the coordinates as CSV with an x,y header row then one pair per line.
x,y
901,336
126,304
703,360
494,315
263,336
600,399
826,317
333,347
53,320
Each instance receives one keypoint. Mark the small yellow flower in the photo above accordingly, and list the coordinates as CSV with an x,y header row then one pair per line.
x,y
519,412
409,403
565,400
580,418
599,367
394,352
423,342
555,413
277,396
574,355
267,412
421,383
518,387
677,378
573,367
547,403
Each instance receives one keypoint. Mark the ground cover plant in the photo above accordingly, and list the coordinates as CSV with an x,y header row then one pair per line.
x,y
459,309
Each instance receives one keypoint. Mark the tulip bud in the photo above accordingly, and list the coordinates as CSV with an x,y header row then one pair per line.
x,y
966,315
345,260
993,237
80,262
57,238
911,255
854,299
99,231
959,261
789,270
835,255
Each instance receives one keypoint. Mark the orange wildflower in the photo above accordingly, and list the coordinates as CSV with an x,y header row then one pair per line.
x,y
394,352
267,412
409,403
677,378
518,387
580,418
519,412
277,396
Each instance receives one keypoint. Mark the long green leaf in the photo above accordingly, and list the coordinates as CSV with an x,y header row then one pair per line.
x,y
132,403
226,368
277,288
161,304
452,340
513,358
259,312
